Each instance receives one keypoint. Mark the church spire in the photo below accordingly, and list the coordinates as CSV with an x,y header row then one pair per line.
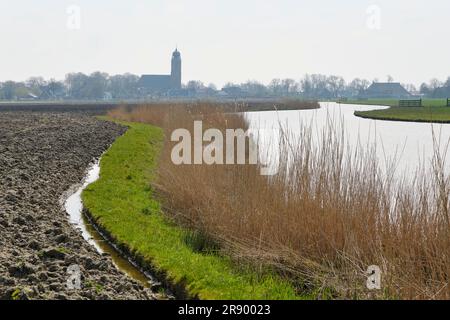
x,y
176,69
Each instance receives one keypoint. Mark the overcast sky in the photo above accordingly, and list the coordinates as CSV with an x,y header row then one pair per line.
x,y
227,40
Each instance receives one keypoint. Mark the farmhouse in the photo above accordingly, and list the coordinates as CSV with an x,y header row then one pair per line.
x,y
150,83
386,90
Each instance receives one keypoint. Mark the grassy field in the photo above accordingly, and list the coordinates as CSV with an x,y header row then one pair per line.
x,y
414,114
433,110
123,203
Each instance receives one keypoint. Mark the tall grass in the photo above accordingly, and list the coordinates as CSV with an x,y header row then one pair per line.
x,y
330,212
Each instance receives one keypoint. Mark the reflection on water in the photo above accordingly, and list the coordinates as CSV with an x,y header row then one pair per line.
x,y
410,143
74,208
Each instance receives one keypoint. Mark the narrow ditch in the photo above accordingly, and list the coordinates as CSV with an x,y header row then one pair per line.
x,y
74,208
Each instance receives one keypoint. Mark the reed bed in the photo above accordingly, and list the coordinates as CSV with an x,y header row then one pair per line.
x,y
330,212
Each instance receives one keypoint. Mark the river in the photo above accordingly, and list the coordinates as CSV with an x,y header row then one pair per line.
x,y
409,143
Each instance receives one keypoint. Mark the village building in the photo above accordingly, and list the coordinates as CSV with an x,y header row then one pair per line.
x,y
386,90
150,83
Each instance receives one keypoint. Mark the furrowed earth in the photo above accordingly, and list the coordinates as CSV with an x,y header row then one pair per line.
x,y
42,155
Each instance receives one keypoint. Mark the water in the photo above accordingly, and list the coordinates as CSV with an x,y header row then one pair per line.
x,y
74,207
410,143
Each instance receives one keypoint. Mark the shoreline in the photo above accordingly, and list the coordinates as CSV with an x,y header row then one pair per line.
x,y
386,118
99,108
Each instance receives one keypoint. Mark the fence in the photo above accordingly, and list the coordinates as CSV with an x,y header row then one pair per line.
x,y
410,103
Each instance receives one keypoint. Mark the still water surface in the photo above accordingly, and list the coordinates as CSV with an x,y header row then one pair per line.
x,y
74,208
410,143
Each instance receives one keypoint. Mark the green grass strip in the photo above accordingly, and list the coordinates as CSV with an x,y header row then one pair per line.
x,y
122,202
433,110
413,114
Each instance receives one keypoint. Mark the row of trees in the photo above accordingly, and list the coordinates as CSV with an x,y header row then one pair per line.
x,y
330,87
78,86
436,89
99,86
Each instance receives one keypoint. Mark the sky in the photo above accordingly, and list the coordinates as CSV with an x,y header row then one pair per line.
x,y
227,40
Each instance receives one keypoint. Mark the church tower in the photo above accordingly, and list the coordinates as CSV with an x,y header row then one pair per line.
x,y
176,70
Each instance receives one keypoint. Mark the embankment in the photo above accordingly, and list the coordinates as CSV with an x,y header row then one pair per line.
x,y
123,204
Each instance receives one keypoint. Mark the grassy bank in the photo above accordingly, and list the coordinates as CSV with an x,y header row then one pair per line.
x,y
433,110
279,104
413,114
123,203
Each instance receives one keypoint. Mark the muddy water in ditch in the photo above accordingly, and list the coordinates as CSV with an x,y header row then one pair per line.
x,y
74,208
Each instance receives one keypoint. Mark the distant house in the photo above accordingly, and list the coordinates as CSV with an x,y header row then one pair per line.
x,y
28,97
386,90
107,96
31,96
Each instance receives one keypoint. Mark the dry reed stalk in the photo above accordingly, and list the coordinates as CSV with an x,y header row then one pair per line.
x,y
326,216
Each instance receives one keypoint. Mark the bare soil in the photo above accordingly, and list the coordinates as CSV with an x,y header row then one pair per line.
x,y
42,155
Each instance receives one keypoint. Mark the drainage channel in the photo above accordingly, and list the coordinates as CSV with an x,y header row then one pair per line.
x,y
74,208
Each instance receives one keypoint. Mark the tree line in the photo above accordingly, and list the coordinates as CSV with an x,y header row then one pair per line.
x,y
101,86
